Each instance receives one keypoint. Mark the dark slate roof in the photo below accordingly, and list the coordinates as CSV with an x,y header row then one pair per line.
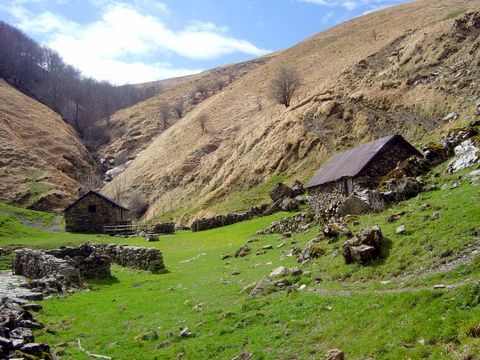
x,y
351,162
100,195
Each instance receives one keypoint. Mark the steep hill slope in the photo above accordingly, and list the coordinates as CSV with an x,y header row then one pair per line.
x,y
134,128
42,159
398,70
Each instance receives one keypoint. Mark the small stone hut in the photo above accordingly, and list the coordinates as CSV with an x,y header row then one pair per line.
x,y
356,169
92,211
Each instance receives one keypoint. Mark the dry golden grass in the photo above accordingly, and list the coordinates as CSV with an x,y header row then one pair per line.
x,y
180,173
41,157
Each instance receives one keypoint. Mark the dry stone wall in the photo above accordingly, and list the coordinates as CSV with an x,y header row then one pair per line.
x,y
150,259
35,264
228,219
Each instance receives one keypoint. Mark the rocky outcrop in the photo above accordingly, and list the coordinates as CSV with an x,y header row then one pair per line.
x,y
396,190
466,154
280,191
228,219
363,248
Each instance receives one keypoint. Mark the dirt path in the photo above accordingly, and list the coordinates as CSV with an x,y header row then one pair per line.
x,y
390,291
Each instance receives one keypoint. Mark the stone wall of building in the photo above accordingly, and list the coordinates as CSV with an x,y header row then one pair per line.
x,y
35,264
320,197
228,219
323,196
79,219
150,259
383,164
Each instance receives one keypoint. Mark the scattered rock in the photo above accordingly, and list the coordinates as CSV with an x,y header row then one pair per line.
x,y
226,256
267,247
312,250
151,237
435,216
335,230
246,355
278,272
334,354
401,230
185,333
394,217
243,251
164,344
451,117
299,222
437,287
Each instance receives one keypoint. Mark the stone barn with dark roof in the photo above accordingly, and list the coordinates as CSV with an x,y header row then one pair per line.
x,y
92,211
359,168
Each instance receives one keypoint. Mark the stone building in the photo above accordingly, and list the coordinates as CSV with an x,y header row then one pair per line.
x,y
357,169
92,211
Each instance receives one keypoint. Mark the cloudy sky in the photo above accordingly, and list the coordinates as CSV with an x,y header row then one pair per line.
x,y
144,40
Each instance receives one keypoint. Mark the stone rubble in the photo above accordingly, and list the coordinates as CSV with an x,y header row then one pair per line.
x,y
299,222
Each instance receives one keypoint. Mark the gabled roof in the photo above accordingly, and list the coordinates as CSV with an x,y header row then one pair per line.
x,y
352,162
99,195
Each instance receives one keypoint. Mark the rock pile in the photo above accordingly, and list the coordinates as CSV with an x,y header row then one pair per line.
x,y
16,335
363,248
299,222
164,228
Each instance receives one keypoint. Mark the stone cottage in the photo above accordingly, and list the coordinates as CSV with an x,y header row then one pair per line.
x,y
92,211
356,169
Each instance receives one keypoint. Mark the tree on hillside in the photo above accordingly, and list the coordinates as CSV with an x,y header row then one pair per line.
x,y
218,84
164,115
178,108
284,84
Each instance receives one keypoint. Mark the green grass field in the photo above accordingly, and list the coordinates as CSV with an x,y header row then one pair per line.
x,y
202,292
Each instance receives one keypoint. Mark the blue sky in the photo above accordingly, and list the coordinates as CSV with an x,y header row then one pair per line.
x,y
145,40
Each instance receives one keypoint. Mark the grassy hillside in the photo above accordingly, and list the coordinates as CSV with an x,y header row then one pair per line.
x,y
133,129
374,75
42,159
388,310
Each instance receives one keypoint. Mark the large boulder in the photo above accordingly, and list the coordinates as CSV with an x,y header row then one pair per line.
x,y
298,188
281,191
289,204
436,153
312,250
363,248
401,189
361,202
410,167
466,154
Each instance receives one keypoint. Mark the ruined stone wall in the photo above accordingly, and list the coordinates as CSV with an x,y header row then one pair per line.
x,y
35,264
150,259
79,219
228,219
90,264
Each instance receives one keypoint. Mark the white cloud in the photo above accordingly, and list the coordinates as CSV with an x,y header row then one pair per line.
x,y
117,46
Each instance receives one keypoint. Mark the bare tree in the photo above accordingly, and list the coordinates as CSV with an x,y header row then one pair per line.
x,y
219,84
284,84
202,122
164,115
178,108
203,89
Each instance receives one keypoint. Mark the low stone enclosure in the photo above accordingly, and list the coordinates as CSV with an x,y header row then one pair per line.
x,y
283,198
66,267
